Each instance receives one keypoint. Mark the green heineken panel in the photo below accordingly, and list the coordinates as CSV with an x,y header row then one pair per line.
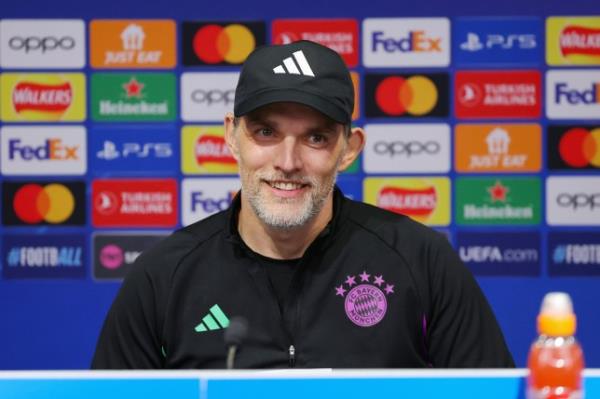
x,y
134,97
498,201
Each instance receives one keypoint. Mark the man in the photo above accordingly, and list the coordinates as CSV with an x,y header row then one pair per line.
x,y
321,280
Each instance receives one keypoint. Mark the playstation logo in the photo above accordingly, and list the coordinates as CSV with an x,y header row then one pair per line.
x,y
473,43
109,152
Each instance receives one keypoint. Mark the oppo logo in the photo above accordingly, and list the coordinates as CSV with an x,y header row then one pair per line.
x,y
213,96
578,200
408,148
33,43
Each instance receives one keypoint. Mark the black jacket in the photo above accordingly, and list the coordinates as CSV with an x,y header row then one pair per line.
x,y
375,289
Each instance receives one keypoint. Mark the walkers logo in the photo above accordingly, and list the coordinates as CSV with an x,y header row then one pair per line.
x,y
484,41
42,43
204,151
365,301
498,94
133,97
574,253
43,256
573,40
494,201
410,148
427,199
573,200
207,96
498,148
145,150
573,94
43,203
340,35
40,97
406,96
132,43
114,254
202,197
406,42
43,150
500,253
139,203
223,43
574,147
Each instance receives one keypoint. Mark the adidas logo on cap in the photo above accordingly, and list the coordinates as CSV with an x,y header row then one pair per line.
x,y
214,320
291,67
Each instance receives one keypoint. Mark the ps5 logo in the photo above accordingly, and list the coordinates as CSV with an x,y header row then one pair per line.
x,y
137,150
498,41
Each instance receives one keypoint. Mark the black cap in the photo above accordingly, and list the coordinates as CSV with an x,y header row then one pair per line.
x,y
303,72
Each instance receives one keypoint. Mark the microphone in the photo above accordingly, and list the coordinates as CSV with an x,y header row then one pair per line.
x,y
235,334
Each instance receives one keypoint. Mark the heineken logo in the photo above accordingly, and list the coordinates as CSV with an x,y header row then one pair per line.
x,y
133,97
498,201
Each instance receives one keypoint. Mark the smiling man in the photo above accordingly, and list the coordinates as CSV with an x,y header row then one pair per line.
x,y
322,281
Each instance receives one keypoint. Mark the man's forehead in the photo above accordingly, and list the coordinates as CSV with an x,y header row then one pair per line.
x,y
278,112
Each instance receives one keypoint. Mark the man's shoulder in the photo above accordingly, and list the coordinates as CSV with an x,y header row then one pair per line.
x,y
398,231
169,252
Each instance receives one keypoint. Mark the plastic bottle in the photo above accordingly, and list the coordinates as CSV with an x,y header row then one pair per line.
x,y
555,359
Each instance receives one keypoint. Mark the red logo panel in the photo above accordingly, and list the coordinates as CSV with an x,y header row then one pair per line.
x,y
497,94
340,35
135,203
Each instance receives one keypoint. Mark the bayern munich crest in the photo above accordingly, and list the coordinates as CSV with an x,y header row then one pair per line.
x,y
365,302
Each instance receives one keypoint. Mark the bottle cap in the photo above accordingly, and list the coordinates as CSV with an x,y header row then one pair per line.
x,y
556,316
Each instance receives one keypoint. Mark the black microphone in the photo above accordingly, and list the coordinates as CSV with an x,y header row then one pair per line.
x,y
235,334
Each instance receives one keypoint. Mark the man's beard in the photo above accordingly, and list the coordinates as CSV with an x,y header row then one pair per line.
x,y
288,213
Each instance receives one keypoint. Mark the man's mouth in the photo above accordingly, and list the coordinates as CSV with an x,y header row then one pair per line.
x,y
286,185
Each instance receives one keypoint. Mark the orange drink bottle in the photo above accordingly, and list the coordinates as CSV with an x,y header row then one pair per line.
x,y
555,359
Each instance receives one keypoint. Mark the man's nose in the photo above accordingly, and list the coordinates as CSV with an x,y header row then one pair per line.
x,y
288,156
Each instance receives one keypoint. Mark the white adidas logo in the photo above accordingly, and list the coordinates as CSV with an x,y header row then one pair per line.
x,y
291,66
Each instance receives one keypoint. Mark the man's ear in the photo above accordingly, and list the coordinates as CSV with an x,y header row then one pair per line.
x,y
354,145
231,135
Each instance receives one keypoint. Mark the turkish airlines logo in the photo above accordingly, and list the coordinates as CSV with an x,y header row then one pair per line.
x,y
43,150
134,202
495,148
29,43
505,94
132,43
401,42
411,148
227,43
583,40
573,200
406,95
47,203
340,35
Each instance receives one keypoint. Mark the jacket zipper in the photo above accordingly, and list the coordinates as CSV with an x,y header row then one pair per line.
x,y
292,353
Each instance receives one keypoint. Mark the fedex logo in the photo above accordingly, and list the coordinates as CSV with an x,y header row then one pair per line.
x,y
201,201
53,149
416,41
43,150
406,42
573,96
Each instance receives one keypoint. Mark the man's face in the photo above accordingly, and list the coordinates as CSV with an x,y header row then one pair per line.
x,y
288,156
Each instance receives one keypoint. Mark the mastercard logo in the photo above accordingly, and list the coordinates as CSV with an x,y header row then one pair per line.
x,y
214,44
52,203
416,95
580,147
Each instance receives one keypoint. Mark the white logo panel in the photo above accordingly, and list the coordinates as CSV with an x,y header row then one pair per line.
x,y
573,94
42,43
207,97
43,150
407,148
202,197
406,42
573,201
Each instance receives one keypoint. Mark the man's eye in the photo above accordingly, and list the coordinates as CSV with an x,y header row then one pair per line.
x,y
317,139
265,132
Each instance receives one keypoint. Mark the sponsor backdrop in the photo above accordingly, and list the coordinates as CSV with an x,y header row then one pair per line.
x,y
482,121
